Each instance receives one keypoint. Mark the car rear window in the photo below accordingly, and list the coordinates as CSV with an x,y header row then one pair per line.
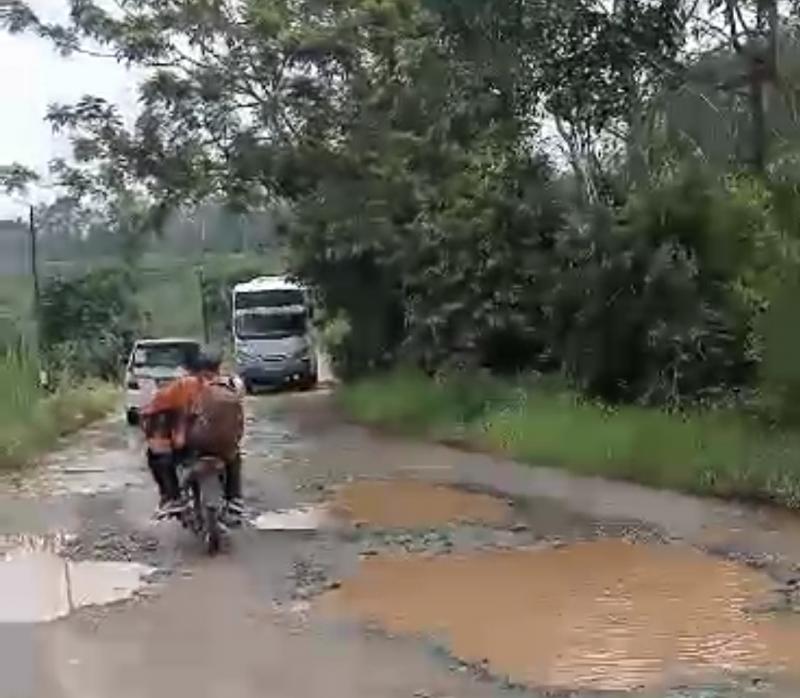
x,y
164,355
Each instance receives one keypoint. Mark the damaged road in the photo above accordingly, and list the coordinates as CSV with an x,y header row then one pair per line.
x,y
376,566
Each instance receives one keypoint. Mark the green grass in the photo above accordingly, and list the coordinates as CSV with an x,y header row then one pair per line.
x,y
31,421
721,453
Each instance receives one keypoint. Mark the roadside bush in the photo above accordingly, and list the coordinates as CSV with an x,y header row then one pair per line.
x,y
31,420
88,323
101,356
482,267
422,274
780,368
404,399
11,334
410,400
360,295
656,304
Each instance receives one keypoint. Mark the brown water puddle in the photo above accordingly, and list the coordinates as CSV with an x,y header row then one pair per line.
x,y
37,585
413,504
606,615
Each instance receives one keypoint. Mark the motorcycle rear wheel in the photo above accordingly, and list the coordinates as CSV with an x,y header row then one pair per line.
x,y
212,530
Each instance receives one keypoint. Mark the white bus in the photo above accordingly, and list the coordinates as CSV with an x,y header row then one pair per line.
x,y
272,333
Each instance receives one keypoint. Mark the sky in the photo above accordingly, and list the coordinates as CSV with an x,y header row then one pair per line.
x,y
32,76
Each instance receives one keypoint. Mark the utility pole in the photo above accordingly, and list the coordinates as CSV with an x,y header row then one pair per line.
x,y
201,282
37,291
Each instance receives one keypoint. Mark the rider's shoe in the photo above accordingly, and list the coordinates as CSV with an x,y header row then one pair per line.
x,y
234,511
169,508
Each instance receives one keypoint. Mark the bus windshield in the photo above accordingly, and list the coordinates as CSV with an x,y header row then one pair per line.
x,y
272,326
268,299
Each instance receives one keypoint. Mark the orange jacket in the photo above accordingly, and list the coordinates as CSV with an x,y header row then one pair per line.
x,y
179,395
176,401
167,416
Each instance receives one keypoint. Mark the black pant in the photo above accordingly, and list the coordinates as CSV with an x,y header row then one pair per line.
x,y
162,467
233,477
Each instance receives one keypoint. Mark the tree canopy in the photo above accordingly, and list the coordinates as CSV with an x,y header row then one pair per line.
x,y
513,183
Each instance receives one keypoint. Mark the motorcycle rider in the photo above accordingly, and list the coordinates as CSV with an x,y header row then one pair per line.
x,y
167,421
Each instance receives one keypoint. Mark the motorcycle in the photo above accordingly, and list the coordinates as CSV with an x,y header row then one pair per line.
x,y
201,482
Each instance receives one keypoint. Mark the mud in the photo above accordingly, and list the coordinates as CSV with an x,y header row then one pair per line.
x,y
413,504
607,615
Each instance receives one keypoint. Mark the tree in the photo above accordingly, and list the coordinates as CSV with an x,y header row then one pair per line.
x,y
88,323
405,138
16,178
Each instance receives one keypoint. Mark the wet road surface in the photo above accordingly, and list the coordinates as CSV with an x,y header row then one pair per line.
x,y
376,566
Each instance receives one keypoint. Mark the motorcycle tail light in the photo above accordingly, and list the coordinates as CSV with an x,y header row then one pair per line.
x,y
209,465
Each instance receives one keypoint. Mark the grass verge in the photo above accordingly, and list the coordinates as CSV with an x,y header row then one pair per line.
x,y
31,421
719,453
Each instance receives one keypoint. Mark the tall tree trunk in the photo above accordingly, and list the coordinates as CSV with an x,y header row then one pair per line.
x,y
583,179
636,161
763,72
758,122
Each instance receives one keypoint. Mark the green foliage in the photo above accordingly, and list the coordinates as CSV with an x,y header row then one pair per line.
x,y
482,268
411,401
428,237
30,420
780,369
657,303
16,178
166,296
19,378
11,335
88,323
404,138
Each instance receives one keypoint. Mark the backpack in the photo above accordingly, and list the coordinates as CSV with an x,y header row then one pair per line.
x,y
217,422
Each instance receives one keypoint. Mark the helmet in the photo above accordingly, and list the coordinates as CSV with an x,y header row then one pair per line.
x,y
207,360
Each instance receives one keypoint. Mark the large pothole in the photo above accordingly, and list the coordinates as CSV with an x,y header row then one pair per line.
x,y
605,615
412,504
39,585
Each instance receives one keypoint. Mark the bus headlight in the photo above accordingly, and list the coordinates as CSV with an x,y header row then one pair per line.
x,y
303,354
244,355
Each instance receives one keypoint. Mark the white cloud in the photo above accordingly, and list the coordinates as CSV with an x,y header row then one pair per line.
x,y
32,76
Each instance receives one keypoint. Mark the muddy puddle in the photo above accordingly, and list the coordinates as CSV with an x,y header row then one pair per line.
x,y
413,504
38,585
389,504
605,615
